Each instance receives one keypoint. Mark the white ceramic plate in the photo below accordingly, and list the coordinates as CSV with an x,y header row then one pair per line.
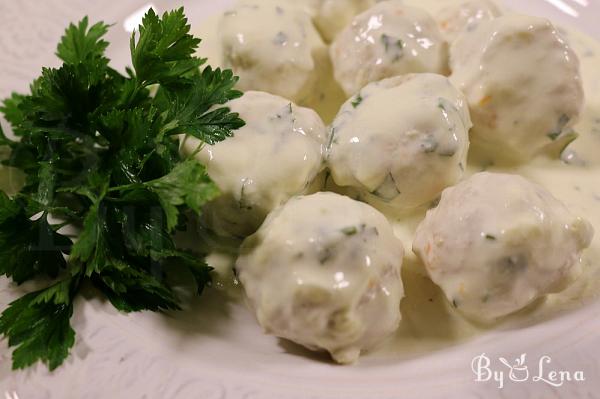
x,y
215,349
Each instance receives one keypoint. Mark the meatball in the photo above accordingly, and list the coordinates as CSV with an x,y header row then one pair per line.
x,y
496,242
331,16
276,155
388,39
324,271
273,48
401,141
523,85
465,16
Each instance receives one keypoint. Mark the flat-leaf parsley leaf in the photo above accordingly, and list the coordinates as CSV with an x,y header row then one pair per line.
x,y
100,152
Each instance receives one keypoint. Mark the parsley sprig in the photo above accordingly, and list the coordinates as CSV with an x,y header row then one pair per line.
x,y
100,153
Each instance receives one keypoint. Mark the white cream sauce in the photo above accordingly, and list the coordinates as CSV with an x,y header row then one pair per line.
x,y
276,155
429,322
454,20
388,39
401,156
324,271
282,55
552,95
327,96
497,242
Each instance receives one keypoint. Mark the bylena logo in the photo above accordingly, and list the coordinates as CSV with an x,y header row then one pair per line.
x,y
518,371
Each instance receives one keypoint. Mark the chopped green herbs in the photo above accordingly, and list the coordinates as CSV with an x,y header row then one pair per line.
x,y
513,264
388,190
357,100
553,135
280,39
446,105
569,137
331,140
325,255
350,231
101,154
560,126
393,46
429,144
559,146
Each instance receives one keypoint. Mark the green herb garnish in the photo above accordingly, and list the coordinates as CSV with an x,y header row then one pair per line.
x,y
357,100
560,126
331,141
553,135
429,144
350,230
394,45
100,153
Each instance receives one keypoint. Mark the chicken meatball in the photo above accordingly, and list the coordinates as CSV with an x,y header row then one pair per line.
x,y
276,155
523,85
331,16
272,47
324,271
387,40
497,242
465,16
401,141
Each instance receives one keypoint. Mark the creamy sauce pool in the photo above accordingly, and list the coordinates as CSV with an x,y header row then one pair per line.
x,y
428,321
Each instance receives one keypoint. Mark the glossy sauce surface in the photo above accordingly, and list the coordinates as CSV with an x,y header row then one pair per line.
x,y
429,321
401,154
388,39
324,271
283,56
276,155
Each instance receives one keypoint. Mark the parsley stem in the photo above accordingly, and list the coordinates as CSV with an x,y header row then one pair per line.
x,y
130,186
